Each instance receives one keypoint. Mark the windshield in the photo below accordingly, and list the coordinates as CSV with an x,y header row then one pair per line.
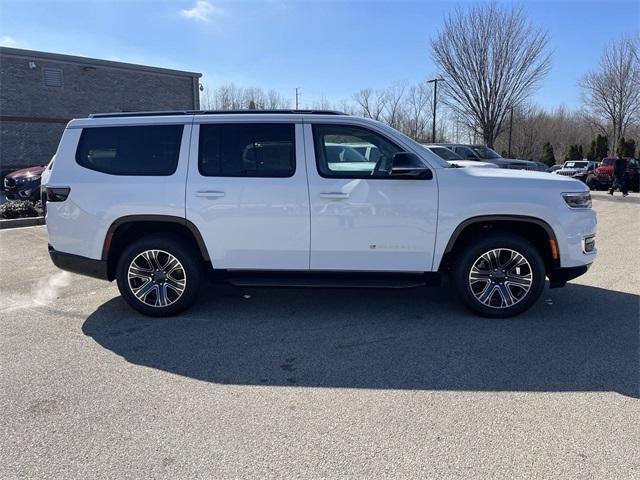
x,y
576,164
608,161
445,153
486,153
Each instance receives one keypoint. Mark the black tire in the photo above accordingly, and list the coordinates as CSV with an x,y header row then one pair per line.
x,y
499,285
189,271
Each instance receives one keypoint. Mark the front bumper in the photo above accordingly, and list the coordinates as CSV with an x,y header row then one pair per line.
x,y
80,265
559,277
23,191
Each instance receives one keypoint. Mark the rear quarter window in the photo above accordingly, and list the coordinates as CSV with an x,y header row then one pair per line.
x,y
131,150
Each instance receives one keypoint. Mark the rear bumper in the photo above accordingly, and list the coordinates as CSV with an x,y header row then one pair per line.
x,y
558,277
80,265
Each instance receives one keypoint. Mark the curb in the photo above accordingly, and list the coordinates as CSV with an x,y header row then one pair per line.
x,y
21,222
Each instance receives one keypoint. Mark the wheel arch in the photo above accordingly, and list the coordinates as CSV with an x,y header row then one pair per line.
x,y
131,227
533,229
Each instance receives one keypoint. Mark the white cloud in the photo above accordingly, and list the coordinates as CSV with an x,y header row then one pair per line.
x,y
202,11
7,41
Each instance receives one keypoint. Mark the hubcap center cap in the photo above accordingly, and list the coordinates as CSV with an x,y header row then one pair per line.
x,y
499,276
158,277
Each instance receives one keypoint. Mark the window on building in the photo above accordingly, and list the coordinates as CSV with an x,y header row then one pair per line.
x,y
140,150
52,77
247,150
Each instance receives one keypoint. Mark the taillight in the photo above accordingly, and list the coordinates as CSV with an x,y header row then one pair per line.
x,y
57,194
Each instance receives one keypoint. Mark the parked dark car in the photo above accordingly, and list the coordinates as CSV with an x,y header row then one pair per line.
x,y
482,153
24,184
602,178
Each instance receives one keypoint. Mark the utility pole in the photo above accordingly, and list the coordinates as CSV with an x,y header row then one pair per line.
x,y
435,99
297,96
510,129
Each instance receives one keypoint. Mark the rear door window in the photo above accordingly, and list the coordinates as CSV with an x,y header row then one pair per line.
x,y
131,150
247,150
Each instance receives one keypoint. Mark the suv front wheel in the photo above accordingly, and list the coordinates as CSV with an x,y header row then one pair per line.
x,y
500,276
159,276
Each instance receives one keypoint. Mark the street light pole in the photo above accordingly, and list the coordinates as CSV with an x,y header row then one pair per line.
x,y
435,96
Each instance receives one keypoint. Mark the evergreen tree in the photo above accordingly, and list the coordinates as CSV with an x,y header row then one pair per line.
x,y
548,157
591,154
598,149
602,147
575,153
626,148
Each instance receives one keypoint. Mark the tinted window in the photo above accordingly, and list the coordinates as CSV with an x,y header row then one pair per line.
x,y
247,150
336,157
144,150
465,152
445,153
486,153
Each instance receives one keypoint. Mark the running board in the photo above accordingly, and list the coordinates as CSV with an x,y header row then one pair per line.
x,y
330,280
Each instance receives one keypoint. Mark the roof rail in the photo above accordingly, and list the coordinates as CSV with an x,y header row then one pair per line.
x,y
210,112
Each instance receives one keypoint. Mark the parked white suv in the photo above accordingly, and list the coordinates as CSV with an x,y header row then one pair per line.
x,y
161,201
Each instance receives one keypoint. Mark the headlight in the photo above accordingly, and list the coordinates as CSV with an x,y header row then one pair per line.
x,y
578,199
23,180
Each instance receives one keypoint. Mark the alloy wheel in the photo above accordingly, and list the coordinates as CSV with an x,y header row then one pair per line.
x,y
500,278
156,278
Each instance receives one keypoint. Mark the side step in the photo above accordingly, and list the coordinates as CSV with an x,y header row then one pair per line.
x,y
330,279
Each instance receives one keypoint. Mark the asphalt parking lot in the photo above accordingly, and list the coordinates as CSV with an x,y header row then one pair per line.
x,y
321,383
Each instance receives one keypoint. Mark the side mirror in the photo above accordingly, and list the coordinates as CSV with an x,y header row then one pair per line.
x,y
409,166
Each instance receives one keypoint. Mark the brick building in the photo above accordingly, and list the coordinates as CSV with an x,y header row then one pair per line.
x,y
40,92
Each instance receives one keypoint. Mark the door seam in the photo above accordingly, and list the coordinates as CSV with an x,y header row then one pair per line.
x,y
306,172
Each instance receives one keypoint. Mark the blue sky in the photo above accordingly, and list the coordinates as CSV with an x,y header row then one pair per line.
x,y
329,49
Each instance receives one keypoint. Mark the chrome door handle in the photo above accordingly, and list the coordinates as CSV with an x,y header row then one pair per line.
x,y
334,195
210,194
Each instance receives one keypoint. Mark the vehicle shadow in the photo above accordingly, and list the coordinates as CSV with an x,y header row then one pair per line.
x,y
578,338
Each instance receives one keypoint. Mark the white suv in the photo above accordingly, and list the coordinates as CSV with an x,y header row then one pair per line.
x,y
162,201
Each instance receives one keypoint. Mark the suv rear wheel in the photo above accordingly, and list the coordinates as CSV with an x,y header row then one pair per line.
x,y
159,276
500,276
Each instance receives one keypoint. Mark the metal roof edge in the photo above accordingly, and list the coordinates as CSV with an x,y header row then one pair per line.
x,y
62,57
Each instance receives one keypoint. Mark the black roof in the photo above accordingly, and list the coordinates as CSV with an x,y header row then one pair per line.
x,y
211,112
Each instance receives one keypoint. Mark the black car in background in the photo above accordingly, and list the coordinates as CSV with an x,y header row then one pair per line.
x,y
482,153
24,184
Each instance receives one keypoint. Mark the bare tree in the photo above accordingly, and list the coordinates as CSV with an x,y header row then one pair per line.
x,y
611,94
372,103
394,98
492,59
232,97
276,101
418,111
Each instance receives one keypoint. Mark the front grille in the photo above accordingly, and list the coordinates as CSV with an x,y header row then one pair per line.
x,y
567,174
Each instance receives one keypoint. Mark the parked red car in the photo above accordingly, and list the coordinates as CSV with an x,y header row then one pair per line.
x,y
24,184
602,178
